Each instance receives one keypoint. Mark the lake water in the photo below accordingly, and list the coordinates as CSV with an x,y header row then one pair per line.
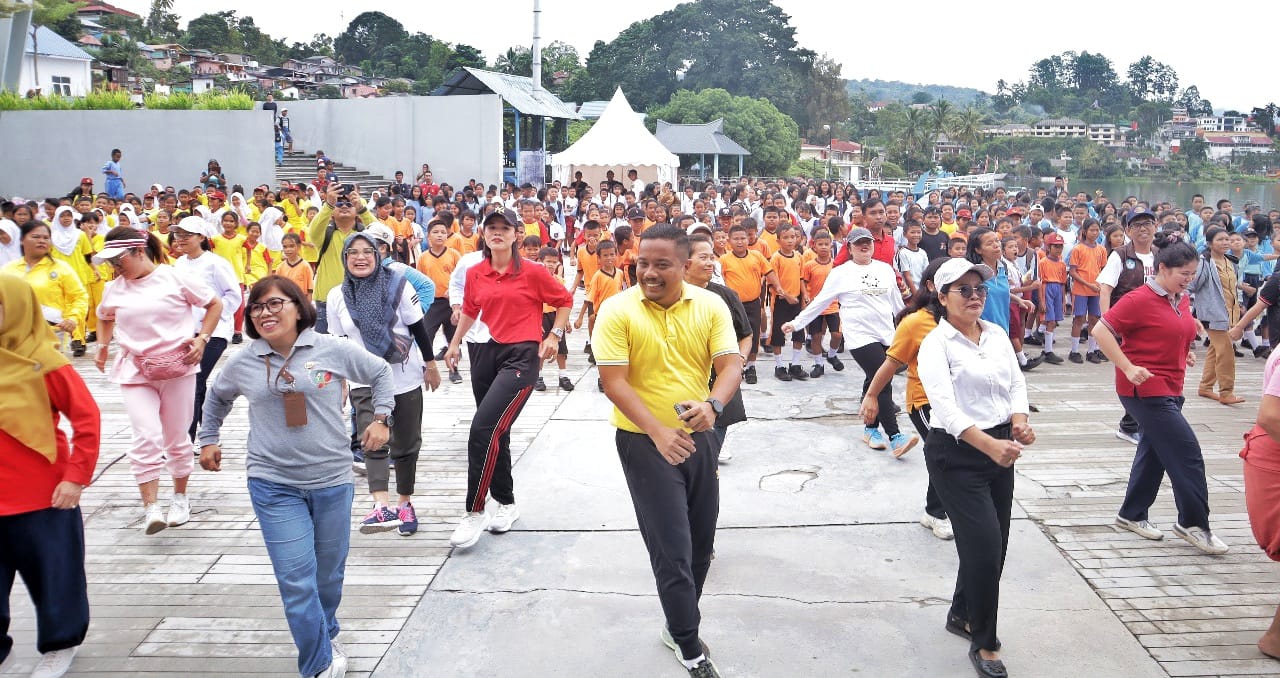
x,y
1177,192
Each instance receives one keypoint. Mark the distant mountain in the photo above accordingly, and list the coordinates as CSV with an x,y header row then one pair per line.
x,y
893,90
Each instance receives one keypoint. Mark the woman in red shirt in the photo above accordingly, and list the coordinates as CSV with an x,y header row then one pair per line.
x,y
41,476
1154,323
511,294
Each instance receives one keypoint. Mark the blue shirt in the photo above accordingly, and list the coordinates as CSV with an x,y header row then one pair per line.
x,y
996,309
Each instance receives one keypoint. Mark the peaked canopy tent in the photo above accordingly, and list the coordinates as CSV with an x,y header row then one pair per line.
x,y
701,140
619,142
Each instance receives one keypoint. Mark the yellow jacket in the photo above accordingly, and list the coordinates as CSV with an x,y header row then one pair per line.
x,y
57,286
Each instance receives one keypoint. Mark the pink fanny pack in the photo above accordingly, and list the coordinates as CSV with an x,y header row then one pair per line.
x,y
163,366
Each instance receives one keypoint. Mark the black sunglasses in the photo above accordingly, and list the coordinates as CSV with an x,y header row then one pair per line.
x,y
970,291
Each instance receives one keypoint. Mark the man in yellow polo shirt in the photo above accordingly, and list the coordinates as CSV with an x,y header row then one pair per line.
x,y
654,344
340,213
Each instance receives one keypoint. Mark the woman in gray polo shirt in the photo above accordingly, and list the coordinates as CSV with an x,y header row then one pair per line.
x,y
298,460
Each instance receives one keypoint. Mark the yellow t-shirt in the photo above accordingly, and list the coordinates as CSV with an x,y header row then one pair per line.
x,y
949,229
231,249
906,348
259,267
669,350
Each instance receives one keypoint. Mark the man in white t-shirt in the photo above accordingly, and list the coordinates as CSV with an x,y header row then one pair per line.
x,y
1129,267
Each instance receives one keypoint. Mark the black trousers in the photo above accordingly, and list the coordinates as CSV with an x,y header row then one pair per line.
x,y
869,359
978,496
440,316
784,313
753,318
47,548
1128,424
212,351
502,377
1168,445
920,419
677,508
403,446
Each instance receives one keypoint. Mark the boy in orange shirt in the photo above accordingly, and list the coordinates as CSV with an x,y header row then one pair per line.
x,y
786,265
438,263
814,274
607,281
1086,262
588,256
745,271
466,239
1053,277
550,259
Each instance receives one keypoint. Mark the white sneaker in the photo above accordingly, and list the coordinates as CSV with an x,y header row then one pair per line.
x,y
725,455
155,520
337,666
941,526
179,510
1129,437
1202,539
54,664
1143,528
468,531
504,518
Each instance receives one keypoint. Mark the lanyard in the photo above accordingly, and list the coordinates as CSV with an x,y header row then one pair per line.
x,y
273,386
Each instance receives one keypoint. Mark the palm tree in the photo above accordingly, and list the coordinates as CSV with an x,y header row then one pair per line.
x,y
966,127
940,115
915,133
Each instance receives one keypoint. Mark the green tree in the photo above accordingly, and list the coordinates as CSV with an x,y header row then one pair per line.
x,y
1150,79
208,31
772,136
940,115
827,103
328,92
465,55
966,127
1094,161
1194,150
1265,118
367,36
162,23
921,97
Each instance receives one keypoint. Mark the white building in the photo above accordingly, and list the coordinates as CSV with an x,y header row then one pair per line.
x,y
1060,127
1222,123
1106,134
63,67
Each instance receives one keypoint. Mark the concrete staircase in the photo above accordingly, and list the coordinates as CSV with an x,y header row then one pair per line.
x,y
301,168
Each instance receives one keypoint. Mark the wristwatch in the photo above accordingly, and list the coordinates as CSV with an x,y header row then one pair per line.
x,y
717,406
384,419
204,336
558,331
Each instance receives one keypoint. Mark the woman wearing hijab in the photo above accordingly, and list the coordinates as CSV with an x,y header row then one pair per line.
x,y
376,307
64,300
191,241
10,241
70,245
41,477
272,222
148,309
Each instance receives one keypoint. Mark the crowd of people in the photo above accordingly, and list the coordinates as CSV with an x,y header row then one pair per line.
x,y
342,289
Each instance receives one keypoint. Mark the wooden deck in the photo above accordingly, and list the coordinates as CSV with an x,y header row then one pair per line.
x,y
200,599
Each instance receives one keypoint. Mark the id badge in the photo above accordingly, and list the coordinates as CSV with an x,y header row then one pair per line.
x,y
295,409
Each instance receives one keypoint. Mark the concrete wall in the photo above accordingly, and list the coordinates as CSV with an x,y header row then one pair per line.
x,y
47,152
459,136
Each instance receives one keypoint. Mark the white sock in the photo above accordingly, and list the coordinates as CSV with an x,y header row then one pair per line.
x,y
777,359
1075,344
1026,333
1048,342
751,363
831,353
1254,339
1093,344
1022,358
1042,329
560,373
691,663
817,358
796,353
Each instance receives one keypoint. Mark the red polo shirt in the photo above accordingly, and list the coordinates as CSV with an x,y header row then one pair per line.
x,y
1153,335
883,249
512,302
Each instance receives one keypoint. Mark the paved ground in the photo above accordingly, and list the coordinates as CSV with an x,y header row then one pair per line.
x,y
821,567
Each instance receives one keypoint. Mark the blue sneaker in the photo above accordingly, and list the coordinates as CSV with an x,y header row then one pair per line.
x,y
380,519
902,443
357,462
408,520
873,438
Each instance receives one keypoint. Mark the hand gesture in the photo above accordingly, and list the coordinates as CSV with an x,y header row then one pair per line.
x,y
699,417
431,376
211,458
375,436
195,349
100,360
1137,374
675,445
66,495
1023,433
453,356
1236,333
788,328
870,409
1005,452
549,346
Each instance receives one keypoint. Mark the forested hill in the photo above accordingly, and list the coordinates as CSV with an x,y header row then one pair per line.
x,y
894,90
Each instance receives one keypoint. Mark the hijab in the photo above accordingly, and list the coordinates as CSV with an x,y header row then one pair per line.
x,y
13,250
240,207
272,233
373,301
27,354
65,238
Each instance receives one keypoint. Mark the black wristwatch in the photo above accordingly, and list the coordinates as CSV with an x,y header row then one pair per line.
x,y
717,406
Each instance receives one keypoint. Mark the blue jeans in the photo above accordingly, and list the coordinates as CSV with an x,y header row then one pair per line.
x,y
307,533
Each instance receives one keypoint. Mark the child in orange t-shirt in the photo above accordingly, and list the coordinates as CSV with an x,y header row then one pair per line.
x,y
786,263
1086,262
608,281
588,257
1053,277
549,257
293,266
814,274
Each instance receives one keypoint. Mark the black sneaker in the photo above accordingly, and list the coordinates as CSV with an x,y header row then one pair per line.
x,y
817,371
455,377
566,384
237,338
704,669
1051,358
1262,352
1036,339
1075,357
540,385
591,357
749,374
1101,356
77,348
1236,350
90,337
767,348
781,373
797,373
1092,356
440,354
836,363
1032,363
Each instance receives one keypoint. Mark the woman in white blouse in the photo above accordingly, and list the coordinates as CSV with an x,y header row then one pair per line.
x,y
979,420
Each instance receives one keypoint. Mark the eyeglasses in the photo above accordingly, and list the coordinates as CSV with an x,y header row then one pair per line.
x,y
116,261
366,252
342,203
970,291
273,305
182,235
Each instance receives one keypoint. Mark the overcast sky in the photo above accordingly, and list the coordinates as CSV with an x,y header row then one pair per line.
x,y
924,42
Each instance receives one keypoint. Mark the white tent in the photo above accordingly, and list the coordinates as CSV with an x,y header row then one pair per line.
x,y
620,142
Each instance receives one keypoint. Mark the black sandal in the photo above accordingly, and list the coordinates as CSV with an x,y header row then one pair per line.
x,y
987,668
958,627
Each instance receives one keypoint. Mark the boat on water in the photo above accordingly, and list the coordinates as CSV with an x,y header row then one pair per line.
x,y
938,180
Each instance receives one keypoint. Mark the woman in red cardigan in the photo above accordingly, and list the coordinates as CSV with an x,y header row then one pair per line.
x,y
41,476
